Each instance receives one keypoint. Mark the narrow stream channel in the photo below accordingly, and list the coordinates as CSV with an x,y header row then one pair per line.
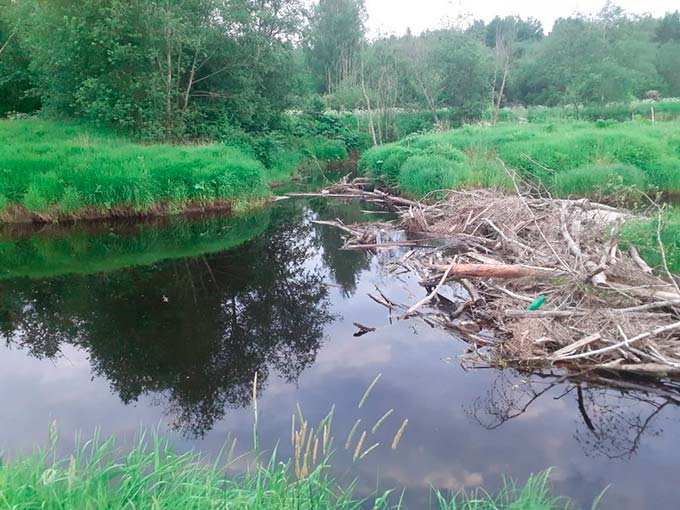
x,y
164,324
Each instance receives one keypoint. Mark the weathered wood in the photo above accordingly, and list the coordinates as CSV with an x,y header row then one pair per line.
x,y
639,261
500,271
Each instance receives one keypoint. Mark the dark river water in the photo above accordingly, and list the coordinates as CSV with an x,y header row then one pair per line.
x,y
165,324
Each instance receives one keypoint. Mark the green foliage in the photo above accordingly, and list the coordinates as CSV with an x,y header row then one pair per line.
x,y
328,150
668,29
599,179
535,495
56,170
343,127
457,68
668,64
15,78
569,158
149,473
421,175
163,70
332,42
644,235
585,61
384,162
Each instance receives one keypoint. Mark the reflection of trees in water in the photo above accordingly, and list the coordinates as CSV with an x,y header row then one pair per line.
x,y
345,266
195,331
612,421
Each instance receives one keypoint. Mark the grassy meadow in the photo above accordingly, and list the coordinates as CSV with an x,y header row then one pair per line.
x,y
569,159
54,171
150,475
50,170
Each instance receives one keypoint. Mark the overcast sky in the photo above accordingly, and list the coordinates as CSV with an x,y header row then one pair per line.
x,y
395,16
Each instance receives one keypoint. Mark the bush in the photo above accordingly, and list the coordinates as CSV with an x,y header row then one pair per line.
x,y
328,150
574,157
383,163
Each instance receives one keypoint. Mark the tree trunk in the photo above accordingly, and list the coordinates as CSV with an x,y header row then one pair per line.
x,y
371,127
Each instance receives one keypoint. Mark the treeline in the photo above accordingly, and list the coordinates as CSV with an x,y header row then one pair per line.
x,y
178,69
472,71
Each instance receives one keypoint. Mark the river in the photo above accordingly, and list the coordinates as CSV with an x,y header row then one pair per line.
x,y
165,323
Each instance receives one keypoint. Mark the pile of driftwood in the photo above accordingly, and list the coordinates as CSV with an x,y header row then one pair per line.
x,y
533,283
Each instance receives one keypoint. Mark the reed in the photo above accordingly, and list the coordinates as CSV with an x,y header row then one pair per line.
x,y
150,474
368,391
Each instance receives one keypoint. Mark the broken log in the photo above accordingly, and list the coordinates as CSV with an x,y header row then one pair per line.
x,y
500,271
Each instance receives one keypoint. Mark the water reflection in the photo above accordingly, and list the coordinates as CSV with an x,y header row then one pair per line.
x,y
610,423
184,335
193,330
57,250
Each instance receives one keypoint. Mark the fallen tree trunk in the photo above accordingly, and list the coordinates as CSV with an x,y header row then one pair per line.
x,y
501,271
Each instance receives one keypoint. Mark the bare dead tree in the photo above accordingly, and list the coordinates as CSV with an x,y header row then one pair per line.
x,y
6,43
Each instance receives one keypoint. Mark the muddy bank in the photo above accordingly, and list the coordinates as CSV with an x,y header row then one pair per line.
x,y
14,214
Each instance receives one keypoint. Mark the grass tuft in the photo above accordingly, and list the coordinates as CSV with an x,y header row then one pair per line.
x,y
643,235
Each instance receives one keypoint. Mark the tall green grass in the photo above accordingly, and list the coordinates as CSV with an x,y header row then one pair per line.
x,y
570,159
52,170
150,474
536,494
644,234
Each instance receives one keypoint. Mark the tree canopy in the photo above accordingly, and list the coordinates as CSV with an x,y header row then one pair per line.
x,y
178,69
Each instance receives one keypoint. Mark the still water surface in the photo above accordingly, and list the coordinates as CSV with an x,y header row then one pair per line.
x,y
164,324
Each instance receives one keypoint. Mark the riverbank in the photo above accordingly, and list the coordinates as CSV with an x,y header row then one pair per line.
x,y
62,171
602,159
150,474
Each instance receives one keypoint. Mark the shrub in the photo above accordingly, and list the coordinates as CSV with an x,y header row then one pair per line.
x,y
371,161
328,150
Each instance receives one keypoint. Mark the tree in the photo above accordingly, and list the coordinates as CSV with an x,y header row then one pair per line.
x,y
15,79
424,73
164,68
507,37
333,40
668,29
668,65
464,70
588,61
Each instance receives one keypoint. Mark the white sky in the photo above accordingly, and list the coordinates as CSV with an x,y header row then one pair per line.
x,y
395,16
